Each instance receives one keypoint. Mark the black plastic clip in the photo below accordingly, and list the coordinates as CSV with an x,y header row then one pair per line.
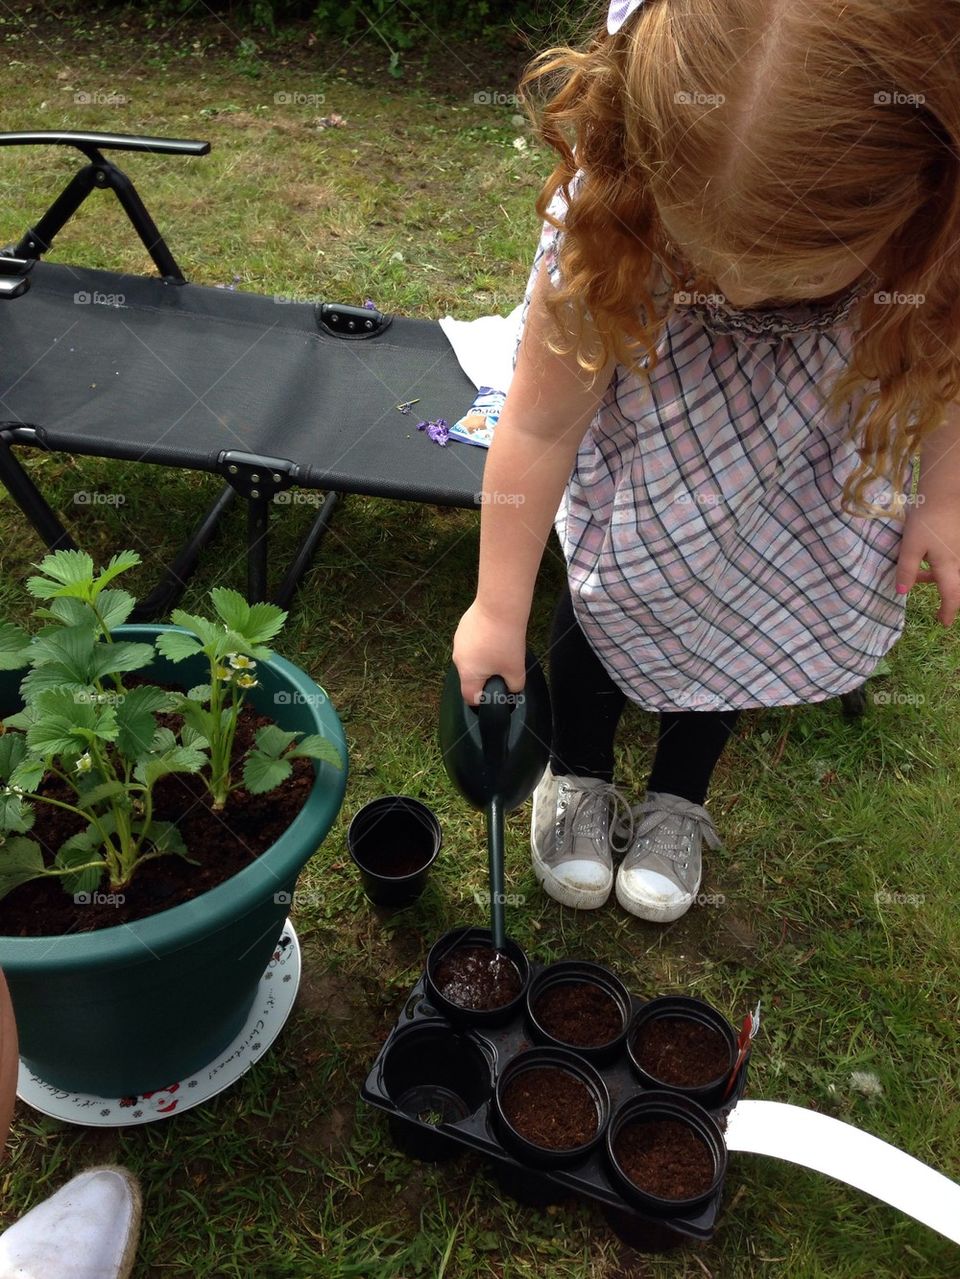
x,y
351,321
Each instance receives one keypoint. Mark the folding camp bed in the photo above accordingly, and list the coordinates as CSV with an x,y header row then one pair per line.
x,y
264,392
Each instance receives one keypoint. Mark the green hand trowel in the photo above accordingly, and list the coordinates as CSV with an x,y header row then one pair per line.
x,y
495,754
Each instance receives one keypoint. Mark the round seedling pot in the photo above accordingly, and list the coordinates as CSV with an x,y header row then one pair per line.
x,y
579,1005
434,1074
393,842
683,1045
551,1107
456,971
666,1153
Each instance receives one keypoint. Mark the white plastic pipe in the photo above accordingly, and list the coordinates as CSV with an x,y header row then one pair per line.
x,y
830,1146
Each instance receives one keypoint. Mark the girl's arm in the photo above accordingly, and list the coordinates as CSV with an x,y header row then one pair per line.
x,y
932,528
549,406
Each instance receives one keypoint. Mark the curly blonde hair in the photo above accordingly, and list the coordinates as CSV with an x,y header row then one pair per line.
x,y
788,134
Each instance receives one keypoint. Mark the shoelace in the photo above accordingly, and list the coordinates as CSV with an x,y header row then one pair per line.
x,y
590,819
657,808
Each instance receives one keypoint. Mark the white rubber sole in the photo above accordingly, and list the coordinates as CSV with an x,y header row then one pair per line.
x,y
653,912
565,894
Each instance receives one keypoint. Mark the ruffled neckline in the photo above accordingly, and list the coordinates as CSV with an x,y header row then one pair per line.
x,y
799,317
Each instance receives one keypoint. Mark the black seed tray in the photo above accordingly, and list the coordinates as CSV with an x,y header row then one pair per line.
x,y
475,1131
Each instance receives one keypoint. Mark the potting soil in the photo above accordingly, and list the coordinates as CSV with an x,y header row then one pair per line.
x,y
681,1052
477,977
578,1013
665,1158
550,1108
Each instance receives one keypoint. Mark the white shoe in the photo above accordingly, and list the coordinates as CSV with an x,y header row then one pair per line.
x,y
88,1229
660,875
570,838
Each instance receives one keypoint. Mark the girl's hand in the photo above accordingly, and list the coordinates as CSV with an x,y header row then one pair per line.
x,y
483,646
932,533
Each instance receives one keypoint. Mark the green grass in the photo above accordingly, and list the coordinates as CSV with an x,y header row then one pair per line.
x,y
423,203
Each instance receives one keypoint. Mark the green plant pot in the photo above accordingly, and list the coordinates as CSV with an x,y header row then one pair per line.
x,y
129,1009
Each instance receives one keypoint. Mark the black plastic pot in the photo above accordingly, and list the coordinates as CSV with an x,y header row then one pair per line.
x,y
570,972
664,1105
434,1075
571,1064
388,828
684,1008
474,1016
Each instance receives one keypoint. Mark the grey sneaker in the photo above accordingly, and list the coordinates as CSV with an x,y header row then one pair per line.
x,y
660,875
570,837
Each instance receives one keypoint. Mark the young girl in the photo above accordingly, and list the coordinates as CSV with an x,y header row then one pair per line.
x,y
747,327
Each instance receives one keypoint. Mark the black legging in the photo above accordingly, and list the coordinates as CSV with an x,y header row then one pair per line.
x,y
587,706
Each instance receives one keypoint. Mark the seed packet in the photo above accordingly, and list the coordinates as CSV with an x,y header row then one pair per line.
x,y
478,423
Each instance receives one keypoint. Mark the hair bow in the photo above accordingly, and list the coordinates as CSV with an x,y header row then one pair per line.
x,y
619,12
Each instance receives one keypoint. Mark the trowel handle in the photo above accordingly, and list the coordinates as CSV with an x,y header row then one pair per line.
x,y
493,711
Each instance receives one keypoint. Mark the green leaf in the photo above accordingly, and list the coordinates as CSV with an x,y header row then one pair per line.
x,y
135,718
263,772
68,612
114,607
21,720
199,693
191,736
20,861
266,620
103,791
76,851
250,623
182,759
13,749
175,646
112,658
166,838
14,647
66,724
28,774
15,815
207,632
231,606
118,564
64,573
314,746
71,649
197,717
273,740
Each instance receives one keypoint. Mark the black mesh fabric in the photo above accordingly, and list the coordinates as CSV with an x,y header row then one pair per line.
x,y
128,367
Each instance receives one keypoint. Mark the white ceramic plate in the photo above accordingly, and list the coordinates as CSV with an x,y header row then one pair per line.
x,y
271,1007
